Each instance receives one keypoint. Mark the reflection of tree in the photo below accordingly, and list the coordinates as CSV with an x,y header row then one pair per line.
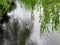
x,y
1,35
51,10
5,6
51,16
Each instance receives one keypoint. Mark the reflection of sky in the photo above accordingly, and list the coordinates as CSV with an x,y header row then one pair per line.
x,y
51,39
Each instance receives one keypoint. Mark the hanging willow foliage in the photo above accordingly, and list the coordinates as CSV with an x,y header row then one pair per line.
x,y
29,3
51,10
5,6
50,7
